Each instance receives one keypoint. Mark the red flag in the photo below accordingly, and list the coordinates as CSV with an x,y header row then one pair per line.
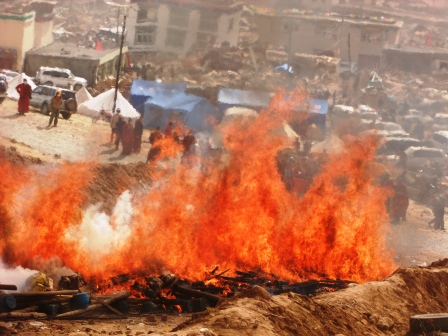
x,y
98,45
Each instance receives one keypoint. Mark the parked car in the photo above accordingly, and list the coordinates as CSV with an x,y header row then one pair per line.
x,y
9,74
59,77
42,95
420,157
440,121
394,145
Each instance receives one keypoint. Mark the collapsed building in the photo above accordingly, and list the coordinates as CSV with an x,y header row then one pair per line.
x,y
176,26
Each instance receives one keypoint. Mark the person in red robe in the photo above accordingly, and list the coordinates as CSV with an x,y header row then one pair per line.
x,y
24,90
128,138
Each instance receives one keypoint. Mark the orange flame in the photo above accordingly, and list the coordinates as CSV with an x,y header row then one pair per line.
x,y
232,210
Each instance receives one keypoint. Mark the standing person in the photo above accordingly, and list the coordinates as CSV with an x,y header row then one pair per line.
x,y
138,133
169,129
438,209
55,105
113,124
119,131
399,201
188,142
24,90
155,136
128,137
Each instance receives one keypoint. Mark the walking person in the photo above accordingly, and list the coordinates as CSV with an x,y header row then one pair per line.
x,y
24,90
55,105
138,133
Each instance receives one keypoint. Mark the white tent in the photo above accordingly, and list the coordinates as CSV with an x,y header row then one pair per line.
x,y
83,95
12,92
105,101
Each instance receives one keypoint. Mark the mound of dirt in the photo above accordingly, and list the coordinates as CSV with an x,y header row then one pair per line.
x,y
13,155
374,308
112,179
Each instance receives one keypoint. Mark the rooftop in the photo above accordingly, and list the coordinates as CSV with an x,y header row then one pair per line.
x,y
222,5
416,50
334,17
69,50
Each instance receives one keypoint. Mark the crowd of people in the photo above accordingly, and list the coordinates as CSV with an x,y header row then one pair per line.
x,y
127,133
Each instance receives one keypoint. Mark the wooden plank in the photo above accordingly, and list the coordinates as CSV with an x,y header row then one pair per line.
x,y
107,305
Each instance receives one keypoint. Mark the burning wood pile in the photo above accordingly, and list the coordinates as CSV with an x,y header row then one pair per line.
x,y
147,295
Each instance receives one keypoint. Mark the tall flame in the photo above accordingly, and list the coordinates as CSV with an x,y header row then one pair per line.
x,y
230,209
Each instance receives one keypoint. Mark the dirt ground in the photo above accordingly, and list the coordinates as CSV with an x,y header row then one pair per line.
x,y
76,139
376,308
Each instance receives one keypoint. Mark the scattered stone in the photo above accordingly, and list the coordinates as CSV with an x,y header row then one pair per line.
x,y
151,318
20,325
91,322
385,323
164,318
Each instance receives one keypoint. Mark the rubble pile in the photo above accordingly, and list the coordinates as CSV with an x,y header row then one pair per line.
x,y
81,26
124,85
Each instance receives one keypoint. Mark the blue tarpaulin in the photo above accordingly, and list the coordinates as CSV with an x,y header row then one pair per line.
x,y
285,67
195,112
141,90
228,98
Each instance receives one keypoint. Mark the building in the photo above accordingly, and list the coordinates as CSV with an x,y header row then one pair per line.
x,y
23,31
416,60
90,64
344,37
176,26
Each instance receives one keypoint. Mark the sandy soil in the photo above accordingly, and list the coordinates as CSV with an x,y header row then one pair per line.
x,y
377,308
76,139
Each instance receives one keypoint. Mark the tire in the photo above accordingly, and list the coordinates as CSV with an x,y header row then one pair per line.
x,y
71,105
44,109
77,87
66,115
49,83
429,322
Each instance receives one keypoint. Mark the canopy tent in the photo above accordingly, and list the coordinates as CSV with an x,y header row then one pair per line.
x,y
105,101
142,90
195,112
256,100
83,95
12,92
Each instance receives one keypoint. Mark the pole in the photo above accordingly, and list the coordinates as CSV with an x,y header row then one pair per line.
x,y
118,25
289,41
349,53
119,64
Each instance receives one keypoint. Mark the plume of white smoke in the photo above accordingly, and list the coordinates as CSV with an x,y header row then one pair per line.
x,y
100,234
15,276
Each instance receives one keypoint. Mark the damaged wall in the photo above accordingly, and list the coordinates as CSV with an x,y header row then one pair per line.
x,y
415,60
313,35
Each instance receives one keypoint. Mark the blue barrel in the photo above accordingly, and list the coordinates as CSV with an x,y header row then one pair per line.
x,y
81,300
7,303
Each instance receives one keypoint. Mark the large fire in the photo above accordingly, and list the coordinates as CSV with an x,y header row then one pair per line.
x,y
229,209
